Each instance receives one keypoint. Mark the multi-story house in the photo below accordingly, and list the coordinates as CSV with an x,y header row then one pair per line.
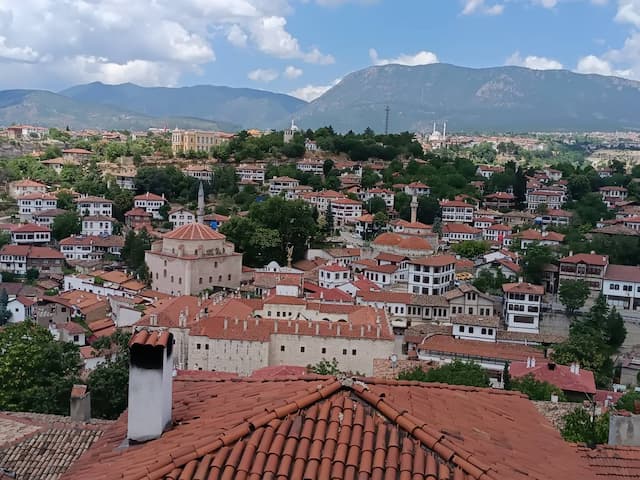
x,y
125,180
30,234
386,195
553,174
383,275
612,195
455,211
77,154
94,206
432,275
527,237
345,210
411,228
183,141
460,232
522,306
311,166
151,203
496,232
621,287
278,185
97,225
417,189
553,199
558,217
483,222
487,171
20,258
81,247
180,217
632,222
333,275
467,300
589,267
199,172
138,218
45,218
322,199
33,203
500,201
251,173
20,188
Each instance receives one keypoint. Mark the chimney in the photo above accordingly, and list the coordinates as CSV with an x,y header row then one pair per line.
x,y
153,319
80,404
244,326
226,323
150,384
317,328
520,279
296,328
275,326
338,330
528,362
182,319
533,362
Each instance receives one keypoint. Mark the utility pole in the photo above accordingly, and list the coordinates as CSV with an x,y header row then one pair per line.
x,y
386,120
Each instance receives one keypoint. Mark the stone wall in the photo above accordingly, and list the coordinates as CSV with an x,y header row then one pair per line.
x,y
382,367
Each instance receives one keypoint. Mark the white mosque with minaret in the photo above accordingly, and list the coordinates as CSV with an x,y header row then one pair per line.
x,y
437,139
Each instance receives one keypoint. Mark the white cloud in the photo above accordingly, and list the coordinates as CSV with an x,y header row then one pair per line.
x,y
628,12
593,64
263,75
237,36
534,62
292,72
479,6
146,41
335,3
311,92
423,57
546,3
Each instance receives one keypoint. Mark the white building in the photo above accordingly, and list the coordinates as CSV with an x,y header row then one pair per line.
x,y
200,172
282,184
151,203
386,195
432,275
32,203
97,225
125,180
460,232
311,166
474,327
30,234
456,211
522,306
417,189
333,275
321,200
251,173
487,171
310,145
45,218
553,199
612,195
81,247
496,232
21,308
180,217
621,287
94,206
20,188
345,210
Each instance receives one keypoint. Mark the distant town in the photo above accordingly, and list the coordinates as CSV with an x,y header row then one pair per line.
x,y
349,272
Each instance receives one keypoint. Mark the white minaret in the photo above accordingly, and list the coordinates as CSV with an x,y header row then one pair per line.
x,y
414,209
444,132
434,127
200,204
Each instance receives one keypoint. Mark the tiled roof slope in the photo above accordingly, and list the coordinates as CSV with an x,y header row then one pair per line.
x,y
319,428
614,462
43,447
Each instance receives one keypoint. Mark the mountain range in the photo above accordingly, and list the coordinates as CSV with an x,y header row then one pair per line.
x,y
500,99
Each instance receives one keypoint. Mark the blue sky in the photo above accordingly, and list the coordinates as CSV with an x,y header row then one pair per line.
x,y
303,46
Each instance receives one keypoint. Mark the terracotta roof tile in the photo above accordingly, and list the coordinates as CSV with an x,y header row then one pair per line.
x,y
194,231
611,462
479,349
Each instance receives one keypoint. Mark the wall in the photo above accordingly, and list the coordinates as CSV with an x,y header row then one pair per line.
x,y
382,367
624,430
237,356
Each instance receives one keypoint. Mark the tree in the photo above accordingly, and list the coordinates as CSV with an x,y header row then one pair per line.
x,y
258,244
454,373
65,200
5,313
5,239
534,260
108,383
134,248
164,211
506,376
66,225
428,209
31,275
535,389
376,204
470,248
488,281
628,401
325,367
573,295
327,166
581,427
36,371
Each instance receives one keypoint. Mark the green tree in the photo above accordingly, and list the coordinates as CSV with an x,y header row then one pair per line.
x,y
5,313
164,211
573,295
375,205
581,427
36,371
133,251
109,382
454,373
31,275
5,239
327,166
65,200
66,225
325,367
471,248
506,376
488,281
628,401
428,209
534,260
258,244
535,389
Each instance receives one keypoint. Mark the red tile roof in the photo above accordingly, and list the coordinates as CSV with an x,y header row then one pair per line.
x,y
279,371
611,461
316,428
479,349
151,339
435,261
523,287
560,376
31,252
92,199
88,240
138,212
31,227
587,258
623,273
194,232
149,197
455,203
333,268
538,236
460,228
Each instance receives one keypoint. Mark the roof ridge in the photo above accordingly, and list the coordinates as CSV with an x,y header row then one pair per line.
x,y
434,440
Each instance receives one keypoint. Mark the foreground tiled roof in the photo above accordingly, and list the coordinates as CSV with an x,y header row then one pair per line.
x,y
614,462
319,428
43,447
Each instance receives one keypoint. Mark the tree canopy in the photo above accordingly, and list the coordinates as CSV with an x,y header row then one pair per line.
x,y
573,295
454,373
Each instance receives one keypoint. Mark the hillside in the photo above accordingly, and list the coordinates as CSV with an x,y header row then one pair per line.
x,y
41,107
241,106
505,99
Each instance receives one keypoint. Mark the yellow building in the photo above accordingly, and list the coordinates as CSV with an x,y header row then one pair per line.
x,y
183,141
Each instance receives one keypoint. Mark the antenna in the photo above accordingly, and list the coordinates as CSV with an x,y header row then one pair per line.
x,y
386,120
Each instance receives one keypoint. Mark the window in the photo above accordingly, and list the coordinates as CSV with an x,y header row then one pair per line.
x,y
353,352
491,331
483,331
470,310
301,349
324,350
76,338
282,348
200,280
344,351
206,346
461,328
198,346
470,329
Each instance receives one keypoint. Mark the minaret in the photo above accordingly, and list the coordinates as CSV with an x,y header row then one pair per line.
x,y
434,127
444,132
201,204
414,209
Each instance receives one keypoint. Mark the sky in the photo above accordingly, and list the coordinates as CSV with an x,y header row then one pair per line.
x,y
303,47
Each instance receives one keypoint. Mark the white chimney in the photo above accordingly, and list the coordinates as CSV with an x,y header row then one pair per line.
x,y
528,362
150,384
533,362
